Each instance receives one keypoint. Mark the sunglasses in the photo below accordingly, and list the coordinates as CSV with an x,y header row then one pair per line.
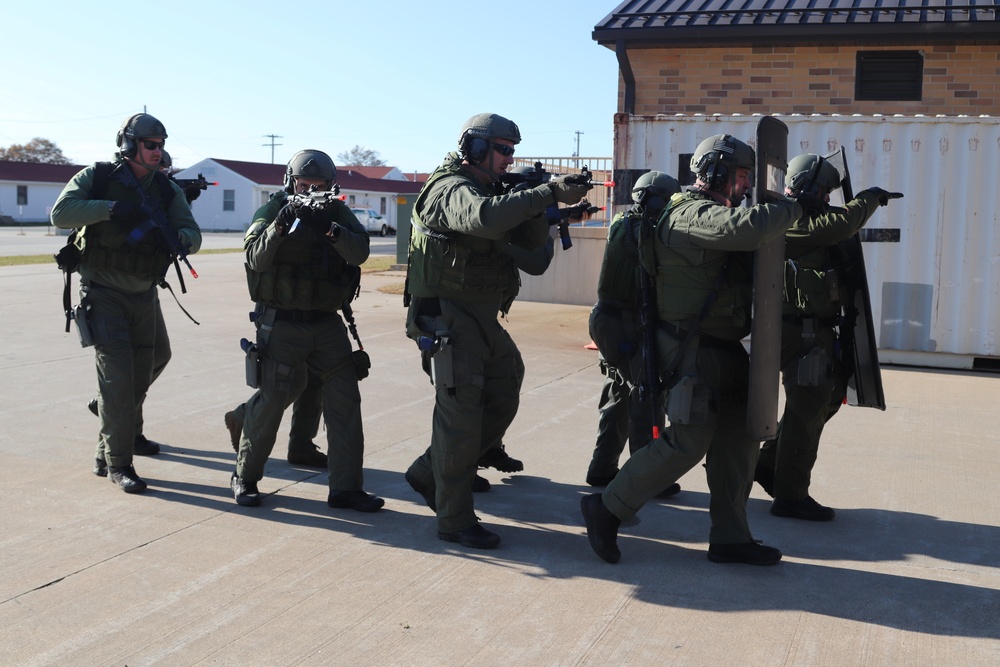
x,y
503,149
152,145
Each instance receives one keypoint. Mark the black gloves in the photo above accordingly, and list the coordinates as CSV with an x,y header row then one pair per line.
x,y
286,216
811,204
127,212
884,196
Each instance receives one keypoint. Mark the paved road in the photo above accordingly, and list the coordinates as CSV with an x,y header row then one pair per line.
x,y
46,240
907,574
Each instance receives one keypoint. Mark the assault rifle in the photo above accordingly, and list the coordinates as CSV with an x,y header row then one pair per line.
x,y
156,219
562,217
529,178
317,200
200,183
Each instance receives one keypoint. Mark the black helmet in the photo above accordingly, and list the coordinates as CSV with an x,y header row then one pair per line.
x,y
809,173
480,130
656,184
139,126
716,159
310,163
165,161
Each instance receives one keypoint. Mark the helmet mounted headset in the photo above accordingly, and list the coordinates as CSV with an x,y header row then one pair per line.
x,y
480,133
136,128
717,159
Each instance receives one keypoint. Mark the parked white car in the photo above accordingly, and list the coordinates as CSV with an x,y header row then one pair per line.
x,y
372,221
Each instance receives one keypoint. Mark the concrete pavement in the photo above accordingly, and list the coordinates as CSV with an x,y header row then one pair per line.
x,y
908,573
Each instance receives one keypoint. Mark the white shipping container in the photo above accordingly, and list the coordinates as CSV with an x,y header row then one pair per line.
x,y
933,257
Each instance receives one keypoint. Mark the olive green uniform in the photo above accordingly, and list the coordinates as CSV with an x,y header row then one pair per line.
x,y
299,282
459,279
814,289
615,328
700,244
118,289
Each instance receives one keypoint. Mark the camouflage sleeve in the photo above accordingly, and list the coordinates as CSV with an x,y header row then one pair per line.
x,y
711,226
460,206
354,244
262,240
180,217
72,209
836,225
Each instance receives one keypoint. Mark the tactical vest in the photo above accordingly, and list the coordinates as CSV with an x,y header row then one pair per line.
x,y
685,275
105,246
812,285
455,266
618,283
307,272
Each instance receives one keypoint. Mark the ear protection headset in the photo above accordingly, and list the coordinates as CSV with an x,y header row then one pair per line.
x,y
474,149
124,141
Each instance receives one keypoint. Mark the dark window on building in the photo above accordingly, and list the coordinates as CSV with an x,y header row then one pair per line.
x,y
229,200
381,208
889,75
684,174
22,195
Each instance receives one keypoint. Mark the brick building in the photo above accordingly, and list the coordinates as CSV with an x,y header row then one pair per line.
x,y
803,56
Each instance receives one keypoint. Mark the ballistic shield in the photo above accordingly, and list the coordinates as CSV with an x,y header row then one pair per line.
x,y
857,333
765,333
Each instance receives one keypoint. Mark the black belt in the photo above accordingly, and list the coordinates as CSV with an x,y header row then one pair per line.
x,y
703,340
301,315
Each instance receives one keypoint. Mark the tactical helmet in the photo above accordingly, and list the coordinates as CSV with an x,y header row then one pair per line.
x,y
310,163
480,130
139,126
810,172
716,159
656,184
165,161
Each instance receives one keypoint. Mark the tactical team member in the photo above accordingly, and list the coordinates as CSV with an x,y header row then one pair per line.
x,y
616,329
458,279
302,267
703,280
123,257
161,351
307,410
813,372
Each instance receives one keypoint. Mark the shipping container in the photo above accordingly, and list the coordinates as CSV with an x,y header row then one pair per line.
x,y
933,257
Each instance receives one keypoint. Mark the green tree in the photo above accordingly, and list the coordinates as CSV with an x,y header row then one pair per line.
x,y
36,150
359,156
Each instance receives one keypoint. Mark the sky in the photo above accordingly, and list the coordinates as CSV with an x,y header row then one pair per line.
x,y
394,76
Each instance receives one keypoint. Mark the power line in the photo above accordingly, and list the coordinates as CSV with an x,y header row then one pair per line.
x,y
272,137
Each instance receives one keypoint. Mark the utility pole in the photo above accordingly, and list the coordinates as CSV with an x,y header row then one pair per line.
x,y
272,137
577,153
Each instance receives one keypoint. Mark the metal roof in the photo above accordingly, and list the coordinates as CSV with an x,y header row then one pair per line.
x,y
652,23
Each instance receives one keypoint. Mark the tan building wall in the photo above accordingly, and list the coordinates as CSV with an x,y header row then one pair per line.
x,y
957,79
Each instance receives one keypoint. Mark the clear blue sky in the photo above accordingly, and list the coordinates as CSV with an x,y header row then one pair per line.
x,y
399,77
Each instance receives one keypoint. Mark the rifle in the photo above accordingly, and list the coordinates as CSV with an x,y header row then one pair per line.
x,y
199,183
525,180
156,219
651,385
317,200
562,217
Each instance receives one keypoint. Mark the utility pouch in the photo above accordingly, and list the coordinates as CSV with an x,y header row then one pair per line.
x,y
362,363
443,362
814,369
252,363
688,402
82,324
68,258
